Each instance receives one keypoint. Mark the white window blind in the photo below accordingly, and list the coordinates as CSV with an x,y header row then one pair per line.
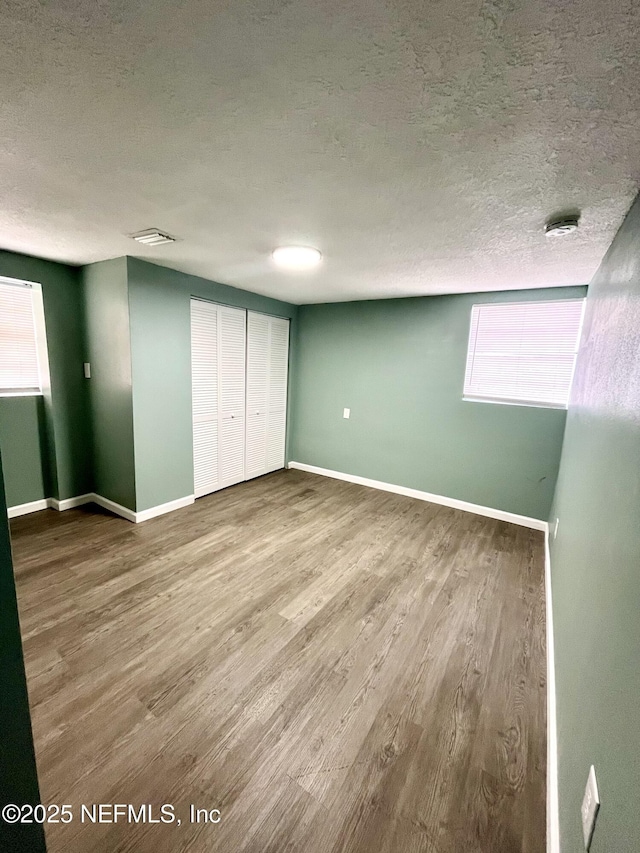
x,y
19,369
523,352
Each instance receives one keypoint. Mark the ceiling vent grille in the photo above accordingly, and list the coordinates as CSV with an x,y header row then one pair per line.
x,y
153,237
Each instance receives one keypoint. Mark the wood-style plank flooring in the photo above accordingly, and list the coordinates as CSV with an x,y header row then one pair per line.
x,y
336,669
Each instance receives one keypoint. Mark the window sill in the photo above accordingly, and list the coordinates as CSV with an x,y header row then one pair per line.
x,y
525,403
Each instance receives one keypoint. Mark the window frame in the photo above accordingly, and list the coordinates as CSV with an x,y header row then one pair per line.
x,y
505,401
42,354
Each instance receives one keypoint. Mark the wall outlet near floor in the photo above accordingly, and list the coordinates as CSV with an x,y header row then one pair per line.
x,y
346,413
589,808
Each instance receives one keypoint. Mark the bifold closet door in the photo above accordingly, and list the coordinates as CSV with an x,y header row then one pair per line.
x,y
218,343
267,368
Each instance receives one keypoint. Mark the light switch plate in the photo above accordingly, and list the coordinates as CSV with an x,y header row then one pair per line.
x,y
87,370
346,413
590,806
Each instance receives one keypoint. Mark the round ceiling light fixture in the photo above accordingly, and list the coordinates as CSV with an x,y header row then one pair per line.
x,y
296,257
560,227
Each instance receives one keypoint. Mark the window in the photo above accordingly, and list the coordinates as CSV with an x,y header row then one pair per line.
x,y
23,360
523,352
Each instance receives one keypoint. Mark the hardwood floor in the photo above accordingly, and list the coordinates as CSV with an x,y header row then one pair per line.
x,y
333,668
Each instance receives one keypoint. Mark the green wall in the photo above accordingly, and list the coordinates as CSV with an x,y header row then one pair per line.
x,y
62,420
159,300
595,561
130,319
399,366
23,442
18,777
108,350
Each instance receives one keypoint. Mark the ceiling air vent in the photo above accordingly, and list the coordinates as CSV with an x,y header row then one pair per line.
x,y
152,237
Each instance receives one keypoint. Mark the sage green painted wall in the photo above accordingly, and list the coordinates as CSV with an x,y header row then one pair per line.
x,y
24,446
106,308
159,300
399,366
18,776
63,417
595,561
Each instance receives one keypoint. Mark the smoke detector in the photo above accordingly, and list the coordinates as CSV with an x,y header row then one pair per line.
x,y
152,237
560,227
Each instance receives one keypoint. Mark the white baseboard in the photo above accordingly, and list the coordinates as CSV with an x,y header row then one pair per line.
x,y
105,503
454,503
70,503
112,506
24,509
161,509
553,818
145,514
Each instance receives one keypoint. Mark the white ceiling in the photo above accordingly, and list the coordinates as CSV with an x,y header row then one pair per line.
x,y
420,144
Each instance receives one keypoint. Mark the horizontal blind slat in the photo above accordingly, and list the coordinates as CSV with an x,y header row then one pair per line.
x,y
523,351
19,369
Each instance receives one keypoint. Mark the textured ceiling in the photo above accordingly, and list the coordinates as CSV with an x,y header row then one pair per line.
x,y
420,144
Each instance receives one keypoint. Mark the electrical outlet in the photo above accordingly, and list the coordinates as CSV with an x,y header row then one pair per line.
x,y
346,413
590,806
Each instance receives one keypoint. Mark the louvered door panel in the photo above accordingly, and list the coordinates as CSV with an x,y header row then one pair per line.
x,y
277,408
231,451
276,440
205,458
257,393
256,445
204,388
257,360
267,361
278,363
232,379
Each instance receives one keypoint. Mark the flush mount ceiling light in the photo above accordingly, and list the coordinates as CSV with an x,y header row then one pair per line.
x,y
560,227
152,237
296,257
